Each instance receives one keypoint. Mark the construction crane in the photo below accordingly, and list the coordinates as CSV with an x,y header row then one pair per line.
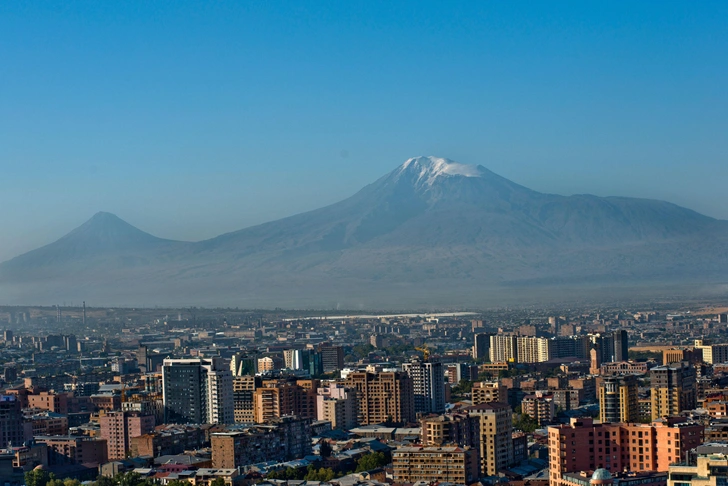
x,y
425,351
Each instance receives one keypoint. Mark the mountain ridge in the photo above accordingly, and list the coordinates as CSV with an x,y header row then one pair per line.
x,y
429,220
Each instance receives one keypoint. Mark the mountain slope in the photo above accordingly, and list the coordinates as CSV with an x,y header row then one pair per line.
x,y
431,226
104,240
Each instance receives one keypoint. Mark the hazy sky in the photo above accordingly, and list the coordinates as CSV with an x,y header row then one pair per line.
x,y
193,119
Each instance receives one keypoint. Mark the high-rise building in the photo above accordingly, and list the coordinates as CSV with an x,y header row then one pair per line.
x,y
521,349
119,427
584,445
337,404
242,364
282,439
496,441
459,428
428,385
303,359
197,391
618,399
481,346
278,398
332,357
621,346
243,399
12,427
503,348
449,464
540,407
382,397
531,349
674,389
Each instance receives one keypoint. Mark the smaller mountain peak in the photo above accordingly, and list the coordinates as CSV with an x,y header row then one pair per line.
x,y
428,169
104,216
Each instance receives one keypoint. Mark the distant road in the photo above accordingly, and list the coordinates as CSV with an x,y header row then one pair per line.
x,y
383,316
656,347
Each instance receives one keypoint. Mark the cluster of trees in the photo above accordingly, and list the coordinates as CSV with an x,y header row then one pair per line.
x,y
524,422
39,477
367,462
371,461
309,474
462,389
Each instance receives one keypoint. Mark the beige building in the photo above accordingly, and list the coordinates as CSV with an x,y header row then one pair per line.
x,y
488,391
243,400
712,353
457,465
709,468
618,400
674,389
266,364
496,442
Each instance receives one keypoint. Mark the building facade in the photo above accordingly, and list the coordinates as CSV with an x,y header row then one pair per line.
x,y
382,397
618,399
428,385
456,465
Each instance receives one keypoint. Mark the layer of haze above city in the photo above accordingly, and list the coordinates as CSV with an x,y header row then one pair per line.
x,y
417,156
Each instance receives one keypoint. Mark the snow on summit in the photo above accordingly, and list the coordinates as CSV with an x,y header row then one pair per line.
x,y
428,169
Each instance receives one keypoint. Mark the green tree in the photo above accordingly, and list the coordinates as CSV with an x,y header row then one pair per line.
x,y
324,448
371,461
128,479
38,477
462,388
104,481
218,482
177,482
319,474
525,423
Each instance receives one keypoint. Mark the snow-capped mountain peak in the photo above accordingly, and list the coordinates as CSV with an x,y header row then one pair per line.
x,y
428,169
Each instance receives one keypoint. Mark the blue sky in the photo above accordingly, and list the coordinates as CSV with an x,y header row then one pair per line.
x,y
189,119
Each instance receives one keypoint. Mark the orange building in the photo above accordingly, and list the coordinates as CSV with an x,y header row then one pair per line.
x,y
584,445
53,402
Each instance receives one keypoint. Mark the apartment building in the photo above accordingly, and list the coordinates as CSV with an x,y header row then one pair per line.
x,y
586,445
496,441
618,399
428,385
382,397
119,427
197,391
674,389
337,404
456,465
282,439
278,398
244,387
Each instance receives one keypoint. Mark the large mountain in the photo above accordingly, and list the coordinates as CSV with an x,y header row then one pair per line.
x,y
432,233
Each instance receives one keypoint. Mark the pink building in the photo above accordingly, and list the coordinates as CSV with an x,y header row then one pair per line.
x,y
119,427
584,445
